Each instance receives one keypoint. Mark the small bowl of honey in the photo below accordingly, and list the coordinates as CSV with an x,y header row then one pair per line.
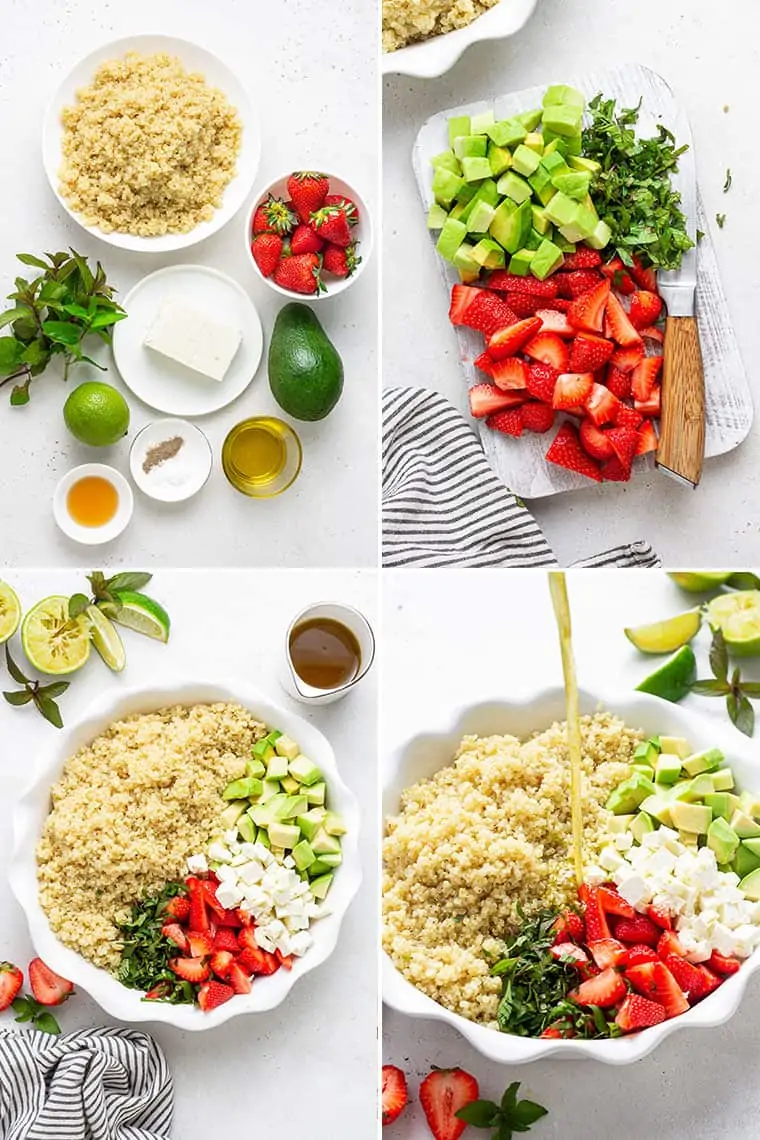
x,y
261,457
93,503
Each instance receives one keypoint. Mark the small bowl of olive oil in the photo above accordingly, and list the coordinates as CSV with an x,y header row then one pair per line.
x,y
329,648
261,457
93,503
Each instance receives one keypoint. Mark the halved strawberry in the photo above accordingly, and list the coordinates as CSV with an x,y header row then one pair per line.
x,y
220,962
507,341
258,961
178,908
509,422
193,970
638,1012
612,902
238,979
644,278
635,955
48,987
462,297
645,309
487,398
487,313
595,441
626,359
11,981
658,914
613,471
601,406
655,981
607,952
689,978
572,390
624,442
583,258
619,276
637,930
213,994
647,442
588,352
442,1094
225,939
484,363
542,379
504,281
510,374
569,926
175,933
566,451
723,964
605,990
653,333
199,943
224,917
537,417
548,348
569,952
285,960
619,382
651,406
525,304
597,926
395,1093
669,944
587,312
710,980
555,322
575,284
628,417
619,327
644,377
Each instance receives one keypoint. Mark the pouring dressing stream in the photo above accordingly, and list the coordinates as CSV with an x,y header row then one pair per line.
x,y
558,589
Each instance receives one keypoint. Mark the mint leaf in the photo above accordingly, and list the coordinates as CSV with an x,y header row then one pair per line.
x,y
719,656
479,1113
14,670
78,603
129,580
46,1023
19,697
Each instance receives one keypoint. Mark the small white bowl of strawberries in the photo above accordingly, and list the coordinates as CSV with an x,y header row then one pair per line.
x,y
308,234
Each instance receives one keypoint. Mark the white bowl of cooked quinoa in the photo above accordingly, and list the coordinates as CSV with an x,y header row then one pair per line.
x,y
151,143
478,820
120,799
425,38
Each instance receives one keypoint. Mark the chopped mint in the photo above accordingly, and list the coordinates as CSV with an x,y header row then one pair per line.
x,y
700,235
729,180
721,220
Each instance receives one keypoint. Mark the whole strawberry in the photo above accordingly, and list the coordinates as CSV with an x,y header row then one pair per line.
x,y
266,250
332,226
274,216
349,208
300,273
340,262
307,190
304,240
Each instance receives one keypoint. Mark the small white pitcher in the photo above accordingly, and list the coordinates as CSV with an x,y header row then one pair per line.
x,y
361,629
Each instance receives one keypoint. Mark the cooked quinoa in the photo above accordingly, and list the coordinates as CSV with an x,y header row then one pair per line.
x,y
487,834
148,148
128,810
405,21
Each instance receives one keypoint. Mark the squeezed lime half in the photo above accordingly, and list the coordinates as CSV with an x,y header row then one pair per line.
x,y
54,642
674,677
10,612
665,636
737,616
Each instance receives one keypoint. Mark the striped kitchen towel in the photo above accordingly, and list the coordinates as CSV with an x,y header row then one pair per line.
x,y
93,1084
444,506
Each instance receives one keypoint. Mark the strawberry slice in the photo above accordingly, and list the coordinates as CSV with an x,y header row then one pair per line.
x,y
525,304
613,903
537,417
668,943
588,352
624,443
644,377
618,382
710,980
510,374
193,970
628,417
542,379
220,963
595,441
587,312
178,908
485,364
569,926
722,964
462,297
507,341
508,422
653,405
653,333
487,398
213,994
238,979
597,927
626,359
583,258
636,955
619,276
601,406
638,1012
487,313
689,978
566,451
572,390
548,348
48,987
645,309
200,944
644,278
175,933
570,953
607,952
654,981
556,322
198,917
574,285
619,327
637,930
504,281
613,471
225,939
442,1093
605,990
395,1093
647,442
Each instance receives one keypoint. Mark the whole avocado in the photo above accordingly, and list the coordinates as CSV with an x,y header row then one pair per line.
x,y
305,370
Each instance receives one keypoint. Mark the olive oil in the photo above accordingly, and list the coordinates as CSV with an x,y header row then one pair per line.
x,y
92,501
324,652
558,588
261,456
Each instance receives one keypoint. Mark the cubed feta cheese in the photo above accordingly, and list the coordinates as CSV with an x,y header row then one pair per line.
x,y
197,865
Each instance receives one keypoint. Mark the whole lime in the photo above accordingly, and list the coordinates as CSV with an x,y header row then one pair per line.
x,y
96,414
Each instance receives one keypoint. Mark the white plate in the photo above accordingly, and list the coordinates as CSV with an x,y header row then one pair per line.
x,y
217,74
523,715
170,387
33,808
435,56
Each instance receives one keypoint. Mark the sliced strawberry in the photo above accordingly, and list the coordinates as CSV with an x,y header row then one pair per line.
x,y
158,993
507,341
636,955
548,348
644,278
442,1093
626,359
574,285
624,442
462,297
224,917
566,451
487,398
619,276
605,990
595,441
258,961
488,312
193,970
209,892
628,417
285,960
11,981
653,333
638,1012
569,952
668,943
198,917
509,422
178,908
395,1093
556,322
174,931
688,977
542,379
503,281
601,406
588,352
619,382
597,926
213,994
553,1031
525,304
559,304
647,442
510,374
584,258
659,914
645,309
538,418
48,987
572,390
613,471
607,952
620,328
644,377
484,363
651,406
199,943
637,930
710,981
654,981
612,902
225,939
220,963
722,964
587,312
238,979
569,926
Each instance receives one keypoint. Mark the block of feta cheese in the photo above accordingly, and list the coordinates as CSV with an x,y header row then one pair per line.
x,y
190,337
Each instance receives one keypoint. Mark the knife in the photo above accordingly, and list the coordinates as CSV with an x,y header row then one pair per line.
x,y
681,449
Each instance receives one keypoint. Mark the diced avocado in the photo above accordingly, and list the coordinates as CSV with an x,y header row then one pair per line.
x,y
333,824
629,794
247,788
546,260
287,747
316,793
530,119
499,158
752,845
590,165
511,225
269,788
694,791
689,839
750,884
667,769
512,186
263,814
233,812
446,186
745,860
749,802
480,218
332,859
723,780
435,220
262,752
562,243
539,220
278,765
304,770
569,146
487,192
458,125
690,817
466,196
262,837
601,236
533,240
705,761
551,146
256,767
520,262
489,254
559,94
575,184
468,267
318,868
582,224
525,161
744,825
290,807
722,804
311,821
658,806
284,834
476,169
541,185
553,163
507,132
535,141
447,160
303,856
561,210
647,751
247,829
723,840
620,823
563,120
289,785
324,844
319,887
675,744
471,146
480,122
641,825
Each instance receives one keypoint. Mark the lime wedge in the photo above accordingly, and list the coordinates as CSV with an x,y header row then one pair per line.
x,y
673,679
738,616
54,642
10,612
698,582
105,638
142,614
665,636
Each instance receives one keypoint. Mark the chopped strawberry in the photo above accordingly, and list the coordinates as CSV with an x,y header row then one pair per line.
x,y
503,281
647,442
486,399
11,981
553,1031
526,304
507,341
555,322
572,390
655,981
626,359
613,471
635,955
226,939
588,352
220,963
178,908
395,1093
637,930
587,312
583,258
619,382
628,417
548,348
645,309
488,312
644,377
158,993
710,981
462,296
508,422
542,379
688,977
613,903
668,943
193,970
722,964
619,276
570,926
620,328
558,304
597,926
644,278
653,333
209,893
238,979
624,441
574,285
213,994
200,944
510,374
651,406
537,417
224,917
605,990
258,961
607,952
442,1093
601,406
484,363
595,441
638,1012
566,451
245,918
285,960
198,916
569,952
658,914
174,931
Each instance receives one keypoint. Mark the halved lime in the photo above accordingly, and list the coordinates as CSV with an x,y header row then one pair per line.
x,y
10,612
105,638
665,636
140,613
54,642
738,617
674,678
699,581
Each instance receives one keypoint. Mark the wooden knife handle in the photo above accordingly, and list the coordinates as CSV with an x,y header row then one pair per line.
x,y
682,427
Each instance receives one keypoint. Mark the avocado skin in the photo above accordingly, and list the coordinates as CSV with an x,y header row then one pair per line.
x,y
305,370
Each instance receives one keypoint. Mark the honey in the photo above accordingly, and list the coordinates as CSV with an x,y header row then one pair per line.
x,y
92,501
325,653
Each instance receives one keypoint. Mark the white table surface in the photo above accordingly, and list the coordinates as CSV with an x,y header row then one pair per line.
x,y
311,1062
699,1084
315,85
708,62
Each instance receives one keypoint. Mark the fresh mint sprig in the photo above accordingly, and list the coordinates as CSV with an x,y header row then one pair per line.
x,y
511,1116
736,691
28,1009
105,590
43,697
